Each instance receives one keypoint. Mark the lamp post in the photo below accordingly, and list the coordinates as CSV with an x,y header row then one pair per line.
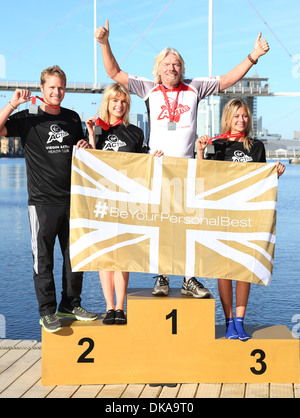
x,y
95,44
210,61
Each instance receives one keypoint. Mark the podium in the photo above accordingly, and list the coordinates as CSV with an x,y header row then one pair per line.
x,y
167,340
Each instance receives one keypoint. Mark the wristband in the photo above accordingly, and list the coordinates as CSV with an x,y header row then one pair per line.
x,y
252,60
13,108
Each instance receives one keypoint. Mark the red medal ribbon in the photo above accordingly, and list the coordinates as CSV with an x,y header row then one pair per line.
x,y
227,135
33,101
171,111
105,125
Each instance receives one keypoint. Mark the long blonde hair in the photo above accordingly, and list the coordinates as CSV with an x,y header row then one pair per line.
x,y
110,92
160,57
229,111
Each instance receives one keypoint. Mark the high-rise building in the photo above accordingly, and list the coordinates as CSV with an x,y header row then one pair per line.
x,y
296,134
208,117
137,119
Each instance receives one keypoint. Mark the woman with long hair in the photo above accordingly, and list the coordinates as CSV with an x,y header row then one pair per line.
x,y
240,147
113,132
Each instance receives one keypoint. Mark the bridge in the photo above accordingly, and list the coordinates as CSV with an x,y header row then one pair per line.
x,y
35,86
247,87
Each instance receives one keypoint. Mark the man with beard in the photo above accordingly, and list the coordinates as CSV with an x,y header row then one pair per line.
x,y
172,103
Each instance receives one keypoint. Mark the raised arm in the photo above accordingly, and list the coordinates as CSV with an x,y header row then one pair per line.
x,y
261,47
91,143
111,66
202,143
90,128
19,97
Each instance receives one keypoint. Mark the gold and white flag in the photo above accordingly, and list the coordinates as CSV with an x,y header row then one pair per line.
x,y
178,216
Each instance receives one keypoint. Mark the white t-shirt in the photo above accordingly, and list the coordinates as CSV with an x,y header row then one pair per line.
x,y
181,141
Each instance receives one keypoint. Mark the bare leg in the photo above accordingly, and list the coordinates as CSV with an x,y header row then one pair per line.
x,y
121,279
242,294
225,292
108,287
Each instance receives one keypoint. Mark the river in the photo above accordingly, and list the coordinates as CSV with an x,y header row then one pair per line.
x,y
19,319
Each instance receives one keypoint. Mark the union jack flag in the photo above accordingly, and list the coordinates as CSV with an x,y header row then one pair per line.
x,y
140,213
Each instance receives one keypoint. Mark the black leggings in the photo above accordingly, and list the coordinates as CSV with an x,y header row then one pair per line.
x,y
47,222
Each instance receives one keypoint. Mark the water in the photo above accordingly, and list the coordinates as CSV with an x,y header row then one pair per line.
x,y
277,304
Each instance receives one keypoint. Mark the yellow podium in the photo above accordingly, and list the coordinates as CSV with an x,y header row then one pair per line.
x,y
167,340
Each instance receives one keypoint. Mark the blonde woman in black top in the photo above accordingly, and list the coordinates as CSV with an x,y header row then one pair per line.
x,y
117,135
236,121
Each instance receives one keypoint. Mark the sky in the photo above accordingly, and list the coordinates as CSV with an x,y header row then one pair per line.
x,y
40,33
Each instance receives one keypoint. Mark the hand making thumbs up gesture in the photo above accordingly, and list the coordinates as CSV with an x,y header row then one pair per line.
x,y
102,33
261,47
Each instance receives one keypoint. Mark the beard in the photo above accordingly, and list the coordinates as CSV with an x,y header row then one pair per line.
x,y
171,79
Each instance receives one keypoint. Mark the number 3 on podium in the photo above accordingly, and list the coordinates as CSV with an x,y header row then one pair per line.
x,y
260,360
263,366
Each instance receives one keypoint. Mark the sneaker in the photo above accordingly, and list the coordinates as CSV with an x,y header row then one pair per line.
x,y
194,288
161,287
120,318
78,313
110,317
50,323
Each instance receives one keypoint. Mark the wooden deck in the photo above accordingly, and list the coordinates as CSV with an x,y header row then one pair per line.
x,y
20,377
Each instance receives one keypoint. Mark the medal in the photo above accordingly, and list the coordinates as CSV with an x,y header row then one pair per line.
x,y
172,124
97,127
211,148
100,124
227,135
98,130
33,107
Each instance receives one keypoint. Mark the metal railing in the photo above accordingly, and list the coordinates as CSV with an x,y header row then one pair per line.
x,y
35,86
279,153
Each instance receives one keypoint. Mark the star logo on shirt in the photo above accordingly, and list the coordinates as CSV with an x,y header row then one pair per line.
x,y
56,134
240,156
113,143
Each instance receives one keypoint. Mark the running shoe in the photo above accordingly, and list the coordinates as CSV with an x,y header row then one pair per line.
x,y
50,323
161,286
78,313
194,288
120,318
109,317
